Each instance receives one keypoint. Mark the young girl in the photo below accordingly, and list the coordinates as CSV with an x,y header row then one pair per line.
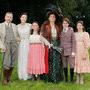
x,y
82,64
36,62
24,33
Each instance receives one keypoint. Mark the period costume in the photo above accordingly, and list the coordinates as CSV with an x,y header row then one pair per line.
x,y
36,60
8,37
23,50
52,34
68,45
82,46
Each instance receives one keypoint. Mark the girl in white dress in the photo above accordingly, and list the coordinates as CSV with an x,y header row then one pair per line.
x,y
24,33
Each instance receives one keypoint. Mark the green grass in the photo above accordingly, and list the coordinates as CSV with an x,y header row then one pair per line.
x,y
41,85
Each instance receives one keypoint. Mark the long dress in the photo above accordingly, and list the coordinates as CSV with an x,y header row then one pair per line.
x,y
24,33
55,62
82,46
36,61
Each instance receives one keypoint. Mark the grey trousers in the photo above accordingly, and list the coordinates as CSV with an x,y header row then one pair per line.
x,y
68,60
9,57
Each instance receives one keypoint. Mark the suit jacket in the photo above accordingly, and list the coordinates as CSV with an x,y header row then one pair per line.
x,y
3,33
68,41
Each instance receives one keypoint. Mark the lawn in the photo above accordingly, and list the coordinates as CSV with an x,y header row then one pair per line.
x,y
41,85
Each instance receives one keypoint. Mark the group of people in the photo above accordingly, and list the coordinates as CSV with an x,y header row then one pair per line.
x,y
44,52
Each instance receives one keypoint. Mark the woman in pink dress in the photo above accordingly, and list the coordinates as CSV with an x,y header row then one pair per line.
x,y
82,64
36,62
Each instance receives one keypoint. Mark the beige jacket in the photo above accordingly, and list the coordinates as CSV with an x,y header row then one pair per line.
x,y
3,33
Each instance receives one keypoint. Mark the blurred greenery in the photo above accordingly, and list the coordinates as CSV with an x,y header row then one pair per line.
x,y
75,10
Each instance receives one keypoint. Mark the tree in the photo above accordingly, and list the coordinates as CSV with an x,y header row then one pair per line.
x,y
67,6
75,10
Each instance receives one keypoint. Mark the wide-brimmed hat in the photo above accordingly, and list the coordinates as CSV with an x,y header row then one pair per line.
x,y
52,12
52,9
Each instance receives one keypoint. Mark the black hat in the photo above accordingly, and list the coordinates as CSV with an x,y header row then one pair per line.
x,y
52,9
52,12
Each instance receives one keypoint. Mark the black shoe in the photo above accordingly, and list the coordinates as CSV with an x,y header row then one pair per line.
x,y
33,78
71,74
66,74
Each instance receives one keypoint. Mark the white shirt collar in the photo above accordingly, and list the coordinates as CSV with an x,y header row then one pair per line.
x,y
8,24
66,29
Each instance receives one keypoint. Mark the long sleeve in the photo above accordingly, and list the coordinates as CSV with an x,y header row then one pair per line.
x,y
17,35
1,42
30,26
86,40
46,30
73,41
45,41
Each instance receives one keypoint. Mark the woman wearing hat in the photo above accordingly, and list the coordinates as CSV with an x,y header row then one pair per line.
x,y
50,29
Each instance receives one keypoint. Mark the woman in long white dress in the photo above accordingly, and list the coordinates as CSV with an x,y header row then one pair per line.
x,y
24,33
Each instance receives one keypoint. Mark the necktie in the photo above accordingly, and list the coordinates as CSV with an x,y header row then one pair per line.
x,y
8,24
64,30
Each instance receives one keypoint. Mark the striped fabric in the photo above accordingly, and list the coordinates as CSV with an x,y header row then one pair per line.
x,y
36,62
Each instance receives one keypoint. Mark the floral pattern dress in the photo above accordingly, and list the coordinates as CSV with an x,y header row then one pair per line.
x,y
82,45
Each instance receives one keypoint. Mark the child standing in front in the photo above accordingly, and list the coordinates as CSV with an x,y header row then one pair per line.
x,y
36,62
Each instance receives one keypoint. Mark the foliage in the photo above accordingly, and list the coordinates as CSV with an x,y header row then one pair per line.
x,y
75,10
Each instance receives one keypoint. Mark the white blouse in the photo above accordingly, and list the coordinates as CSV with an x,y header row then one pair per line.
x,y
38,39
24,31
53,32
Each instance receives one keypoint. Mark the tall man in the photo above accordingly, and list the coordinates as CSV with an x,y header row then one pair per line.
x,y
68,46
8,38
